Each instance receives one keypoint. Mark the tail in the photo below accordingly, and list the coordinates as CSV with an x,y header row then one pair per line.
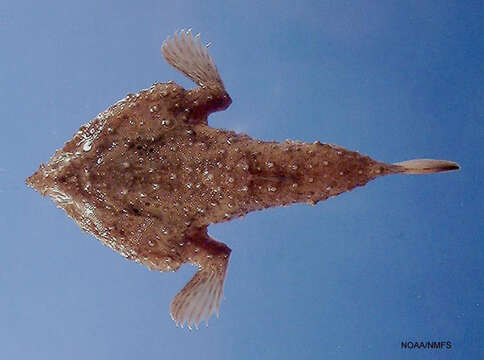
x,y
425,166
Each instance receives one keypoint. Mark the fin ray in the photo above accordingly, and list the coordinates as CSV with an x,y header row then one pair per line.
x,y
187,54
425,166
200,297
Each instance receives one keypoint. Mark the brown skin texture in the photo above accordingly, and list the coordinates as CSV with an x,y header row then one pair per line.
x,y
148,175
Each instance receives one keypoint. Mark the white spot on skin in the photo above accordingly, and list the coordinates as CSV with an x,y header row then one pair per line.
x,y
189,175
87,145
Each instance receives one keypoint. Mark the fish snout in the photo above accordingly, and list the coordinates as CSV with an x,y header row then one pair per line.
x,y
39,180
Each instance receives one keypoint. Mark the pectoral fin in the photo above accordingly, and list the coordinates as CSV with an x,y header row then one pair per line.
x,y
200,297
188,55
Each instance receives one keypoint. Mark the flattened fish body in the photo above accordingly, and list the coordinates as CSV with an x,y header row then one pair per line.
x,y
148,175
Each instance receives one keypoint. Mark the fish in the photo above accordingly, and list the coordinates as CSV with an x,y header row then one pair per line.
x,y
149,174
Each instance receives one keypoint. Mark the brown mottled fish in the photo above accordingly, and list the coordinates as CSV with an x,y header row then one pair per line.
x,y
148,175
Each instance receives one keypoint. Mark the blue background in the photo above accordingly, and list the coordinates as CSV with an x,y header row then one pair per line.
x,y
400,259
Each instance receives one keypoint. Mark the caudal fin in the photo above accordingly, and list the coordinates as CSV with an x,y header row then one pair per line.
x,y
425,166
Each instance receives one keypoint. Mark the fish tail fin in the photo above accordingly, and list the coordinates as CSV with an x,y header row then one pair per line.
x,y
425,166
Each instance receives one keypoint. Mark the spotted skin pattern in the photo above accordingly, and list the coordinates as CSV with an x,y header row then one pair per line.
x,y
148,175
